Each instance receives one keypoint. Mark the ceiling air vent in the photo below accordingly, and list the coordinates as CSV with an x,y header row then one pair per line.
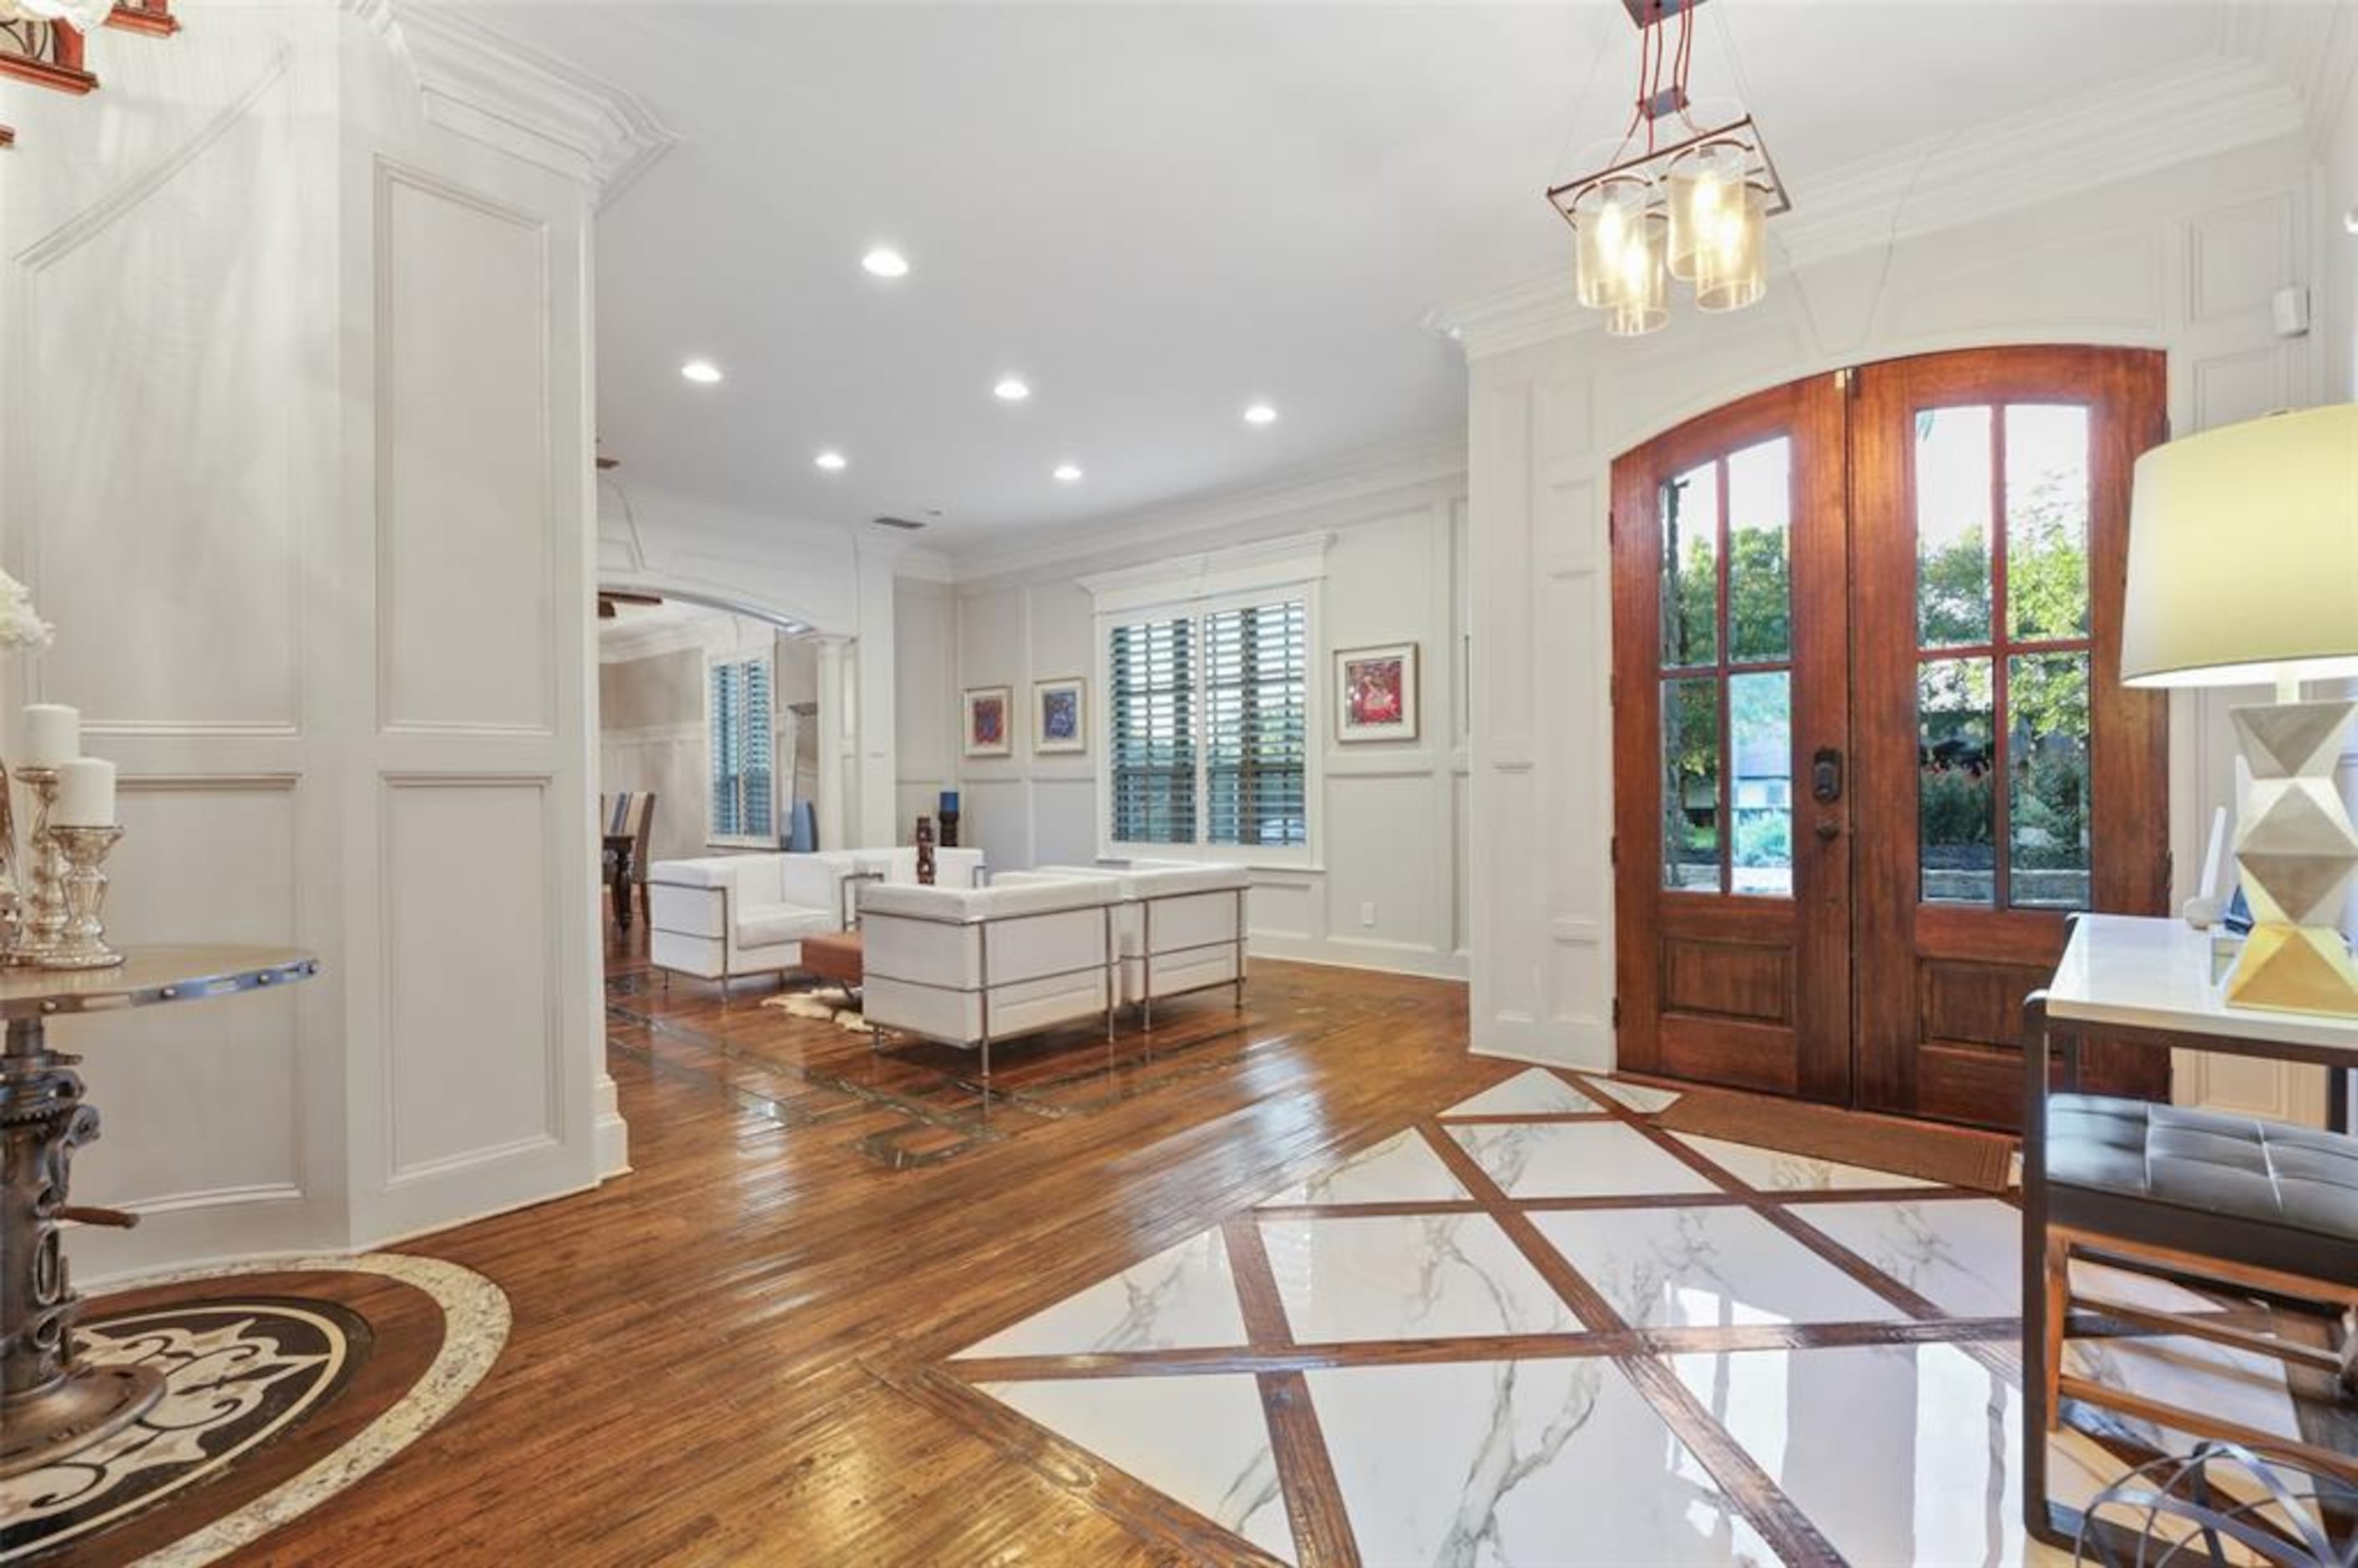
x,y
906,525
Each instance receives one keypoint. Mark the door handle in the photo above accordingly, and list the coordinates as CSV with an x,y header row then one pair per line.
x,y
1829,831
1827,776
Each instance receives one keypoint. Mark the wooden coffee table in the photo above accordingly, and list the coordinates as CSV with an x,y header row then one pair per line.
x,y
835,956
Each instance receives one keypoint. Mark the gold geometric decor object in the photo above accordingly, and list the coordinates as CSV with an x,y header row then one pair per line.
x,y
2298,853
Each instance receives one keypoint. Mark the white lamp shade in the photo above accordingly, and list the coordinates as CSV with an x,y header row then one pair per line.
x,y
2243,554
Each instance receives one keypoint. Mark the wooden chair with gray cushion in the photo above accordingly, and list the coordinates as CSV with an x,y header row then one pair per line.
x,y
2253,1206
626,821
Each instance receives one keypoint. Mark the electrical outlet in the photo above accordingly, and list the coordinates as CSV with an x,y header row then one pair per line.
x,y
1368,913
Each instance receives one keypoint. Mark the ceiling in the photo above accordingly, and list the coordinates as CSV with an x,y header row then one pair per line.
x,y
1157,214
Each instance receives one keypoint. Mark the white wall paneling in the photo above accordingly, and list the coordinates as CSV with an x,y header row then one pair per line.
x,y
2184,259
295,393
1385,890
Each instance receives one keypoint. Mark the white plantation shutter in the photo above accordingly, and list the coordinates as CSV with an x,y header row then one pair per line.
x,y
741,749
1256,673
1150,673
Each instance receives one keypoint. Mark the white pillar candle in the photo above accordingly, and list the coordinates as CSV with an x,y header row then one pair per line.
x,y
52,734
85,793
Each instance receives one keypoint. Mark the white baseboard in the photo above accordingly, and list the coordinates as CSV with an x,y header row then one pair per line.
x,y
613,1133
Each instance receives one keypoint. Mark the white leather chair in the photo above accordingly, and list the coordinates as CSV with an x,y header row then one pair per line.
x,y
726,915
968,966
1180,928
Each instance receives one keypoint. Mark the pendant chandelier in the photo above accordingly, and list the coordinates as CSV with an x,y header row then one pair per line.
x,y
1678,196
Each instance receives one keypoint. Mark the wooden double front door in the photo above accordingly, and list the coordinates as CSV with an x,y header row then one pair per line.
x,y
1870,746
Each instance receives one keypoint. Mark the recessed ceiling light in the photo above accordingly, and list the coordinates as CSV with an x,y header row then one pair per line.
x,y
886,261
1068,473
830,460
704,372
1010,389
1260,414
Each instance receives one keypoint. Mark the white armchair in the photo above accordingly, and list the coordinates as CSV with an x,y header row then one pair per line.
x,y
1180,927
968,966
727,915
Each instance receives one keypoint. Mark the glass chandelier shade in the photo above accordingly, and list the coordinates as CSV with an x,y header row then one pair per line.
x,y
1702,183
1643,304
1731,254
1608,221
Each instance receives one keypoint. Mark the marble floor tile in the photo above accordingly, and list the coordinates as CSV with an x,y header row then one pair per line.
x,y
1401,1169
1534,1093
2223,1382
1637,1096
1964,1255
1553,1462
1415,1277
1180,1297
1771,1169
1575,1159
1200,1439
1704,1267
1900,1455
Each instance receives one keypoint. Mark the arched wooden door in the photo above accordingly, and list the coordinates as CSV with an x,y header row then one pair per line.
x,y
1870,747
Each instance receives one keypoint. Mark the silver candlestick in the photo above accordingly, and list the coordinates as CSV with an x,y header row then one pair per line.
x,y
81,945
42,906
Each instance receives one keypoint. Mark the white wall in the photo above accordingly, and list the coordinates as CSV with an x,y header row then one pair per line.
x,y
838,582
652,723
2185,259
296,425
924,619
1388,890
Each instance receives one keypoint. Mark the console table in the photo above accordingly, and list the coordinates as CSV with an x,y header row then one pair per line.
x,y
51,1406
2155,982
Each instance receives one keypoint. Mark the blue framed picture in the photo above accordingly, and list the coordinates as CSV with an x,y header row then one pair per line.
x,y
1060,715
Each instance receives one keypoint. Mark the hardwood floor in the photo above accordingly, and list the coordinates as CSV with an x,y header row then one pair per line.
x,y
716,1358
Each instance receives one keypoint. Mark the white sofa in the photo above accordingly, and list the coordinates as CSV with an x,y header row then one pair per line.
x,y
725,916
1180,925
968,967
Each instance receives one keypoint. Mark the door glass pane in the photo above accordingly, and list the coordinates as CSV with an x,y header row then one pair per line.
x,y
1759,572
1760,727
1952,526
1691,784
2046,519
1953,787
1691,568
2047,785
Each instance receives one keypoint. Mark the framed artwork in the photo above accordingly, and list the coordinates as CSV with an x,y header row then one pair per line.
x,y
1375,693
1059,715
987,734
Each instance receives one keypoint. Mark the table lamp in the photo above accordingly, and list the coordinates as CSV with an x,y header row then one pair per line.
x,y
2243,569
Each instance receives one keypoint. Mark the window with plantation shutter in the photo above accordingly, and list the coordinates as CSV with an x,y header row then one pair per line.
x,y
1150,676
740,739
1255,673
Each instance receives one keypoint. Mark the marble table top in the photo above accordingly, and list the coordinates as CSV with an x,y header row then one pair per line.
x,y
151,974
2146,972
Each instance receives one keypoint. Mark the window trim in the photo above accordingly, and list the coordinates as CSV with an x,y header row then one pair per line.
x,y
1195,587
713,837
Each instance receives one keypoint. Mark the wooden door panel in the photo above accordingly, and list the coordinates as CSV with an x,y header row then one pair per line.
x,y
1728,1051
1740,981
1940,965
1728,979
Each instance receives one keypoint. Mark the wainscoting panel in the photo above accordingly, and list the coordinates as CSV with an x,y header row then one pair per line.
x,y
464,473
201,859
471,1033
170,563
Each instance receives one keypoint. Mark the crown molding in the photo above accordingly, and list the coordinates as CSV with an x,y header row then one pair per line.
x,y
2214,104
2314,48
1338,482
481,85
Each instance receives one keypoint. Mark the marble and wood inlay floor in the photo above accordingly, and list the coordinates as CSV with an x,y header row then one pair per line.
x,y
1534,1327
284,1383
